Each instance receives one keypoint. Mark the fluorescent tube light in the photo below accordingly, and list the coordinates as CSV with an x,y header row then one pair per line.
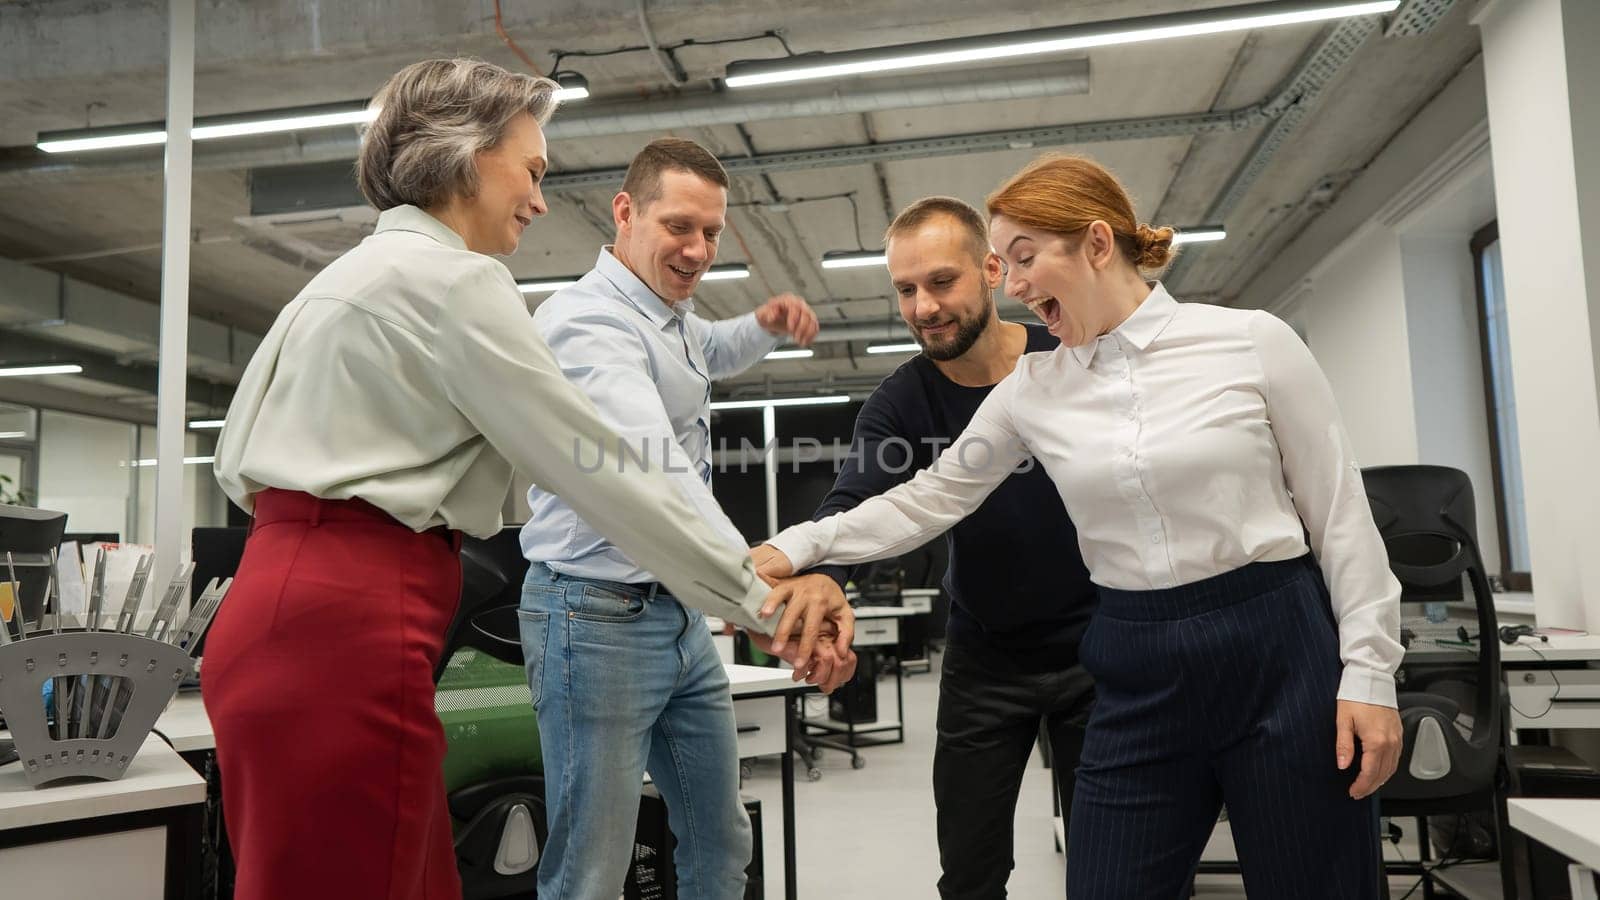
x,y
1202,235
895,348
730,272
65,369
12,435
785,401
753,73
545,287
790,354
205,424
852,259
187,460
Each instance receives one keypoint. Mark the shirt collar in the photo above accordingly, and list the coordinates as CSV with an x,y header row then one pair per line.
x,y
636,292
410,218
1140,329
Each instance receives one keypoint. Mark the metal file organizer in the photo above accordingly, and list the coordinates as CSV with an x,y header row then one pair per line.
x,y
107,687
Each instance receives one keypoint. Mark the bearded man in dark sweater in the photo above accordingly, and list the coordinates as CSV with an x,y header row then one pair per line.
x,y
1020,594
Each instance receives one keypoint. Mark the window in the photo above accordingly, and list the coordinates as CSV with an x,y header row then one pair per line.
x,y
1510,507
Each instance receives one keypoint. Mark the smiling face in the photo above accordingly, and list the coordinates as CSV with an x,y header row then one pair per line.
x,y
1057,276
508,196
946,295
671,240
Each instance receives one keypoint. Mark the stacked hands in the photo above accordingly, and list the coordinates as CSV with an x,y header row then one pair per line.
x,y
814,631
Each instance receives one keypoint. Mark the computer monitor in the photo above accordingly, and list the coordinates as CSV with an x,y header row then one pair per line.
x,y
34,533
216,553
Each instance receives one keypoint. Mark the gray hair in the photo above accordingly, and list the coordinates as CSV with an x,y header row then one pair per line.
x,y
431,120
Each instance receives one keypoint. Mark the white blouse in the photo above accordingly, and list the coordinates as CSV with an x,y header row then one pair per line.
x,y
1189,441
409,374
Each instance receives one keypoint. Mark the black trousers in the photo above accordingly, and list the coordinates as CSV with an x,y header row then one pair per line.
x,y
1222,691
989,718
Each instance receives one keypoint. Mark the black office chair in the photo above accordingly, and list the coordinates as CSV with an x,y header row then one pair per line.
x,y
1452,710
493,768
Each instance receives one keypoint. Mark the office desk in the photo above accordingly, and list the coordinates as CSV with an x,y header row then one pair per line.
x,y
1569,827
765,705
133,838
876,626
1554,685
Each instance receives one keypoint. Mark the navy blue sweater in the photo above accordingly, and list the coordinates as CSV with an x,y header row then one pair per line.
x,y
1018,588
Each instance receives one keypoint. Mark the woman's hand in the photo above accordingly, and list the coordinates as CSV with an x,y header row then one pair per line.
x,y
1378,730
772,565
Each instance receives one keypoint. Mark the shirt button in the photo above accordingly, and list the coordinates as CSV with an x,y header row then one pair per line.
x,y
1155,538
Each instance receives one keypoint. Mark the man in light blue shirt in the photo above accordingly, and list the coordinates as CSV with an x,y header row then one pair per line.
x,y
625,679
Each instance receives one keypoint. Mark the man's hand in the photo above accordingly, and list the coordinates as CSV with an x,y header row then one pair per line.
x,y
829,666
772,565
1378,729
809,603
788,314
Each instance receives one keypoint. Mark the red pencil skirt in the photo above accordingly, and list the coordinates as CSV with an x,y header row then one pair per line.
x,y
318,678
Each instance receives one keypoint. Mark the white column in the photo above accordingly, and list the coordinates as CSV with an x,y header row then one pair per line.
x,y
174,359
769,462
1544,128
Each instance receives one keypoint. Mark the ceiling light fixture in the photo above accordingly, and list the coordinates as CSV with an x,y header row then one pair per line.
x,y
956,51
781,401
329,115
205,424
729,272
52,369
546,286
853,259
187,460
895,348
790,354
1202,234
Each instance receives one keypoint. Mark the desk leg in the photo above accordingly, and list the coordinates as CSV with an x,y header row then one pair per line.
x,y
792,721
183,853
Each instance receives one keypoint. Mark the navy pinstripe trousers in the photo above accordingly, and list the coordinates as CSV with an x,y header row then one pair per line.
x,y
1221,691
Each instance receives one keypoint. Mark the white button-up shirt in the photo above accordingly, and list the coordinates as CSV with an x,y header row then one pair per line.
x,y
1189,441
648,367
408,374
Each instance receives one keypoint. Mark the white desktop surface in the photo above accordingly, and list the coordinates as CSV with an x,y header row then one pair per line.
x,y
885,612
1570,827
157,778
1560,648
185,722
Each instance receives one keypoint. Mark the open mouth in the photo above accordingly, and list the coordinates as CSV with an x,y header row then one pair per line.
x,y
1048,309
685,274
525,221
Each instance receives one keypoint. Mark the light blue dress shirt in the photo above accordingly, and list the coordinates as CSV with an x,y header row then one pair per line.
x,y
648,367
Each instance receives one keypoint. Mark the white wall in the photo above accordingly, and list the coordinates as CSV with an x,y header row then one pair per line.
x,y
1354,317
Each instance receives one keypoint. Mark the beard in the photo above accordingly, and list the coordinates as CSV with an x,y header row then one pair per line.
x,y
968,331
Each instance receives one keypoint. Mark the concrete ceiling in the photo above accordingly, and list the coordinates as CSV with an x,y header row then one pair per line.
x,y
65,63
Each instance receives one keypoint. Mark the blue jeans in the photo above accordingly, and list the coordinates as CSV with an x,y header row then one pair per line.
x,y
626,681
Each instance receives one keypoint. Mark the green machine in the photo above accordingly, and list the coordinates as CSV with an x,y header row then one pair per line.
x,y
493,767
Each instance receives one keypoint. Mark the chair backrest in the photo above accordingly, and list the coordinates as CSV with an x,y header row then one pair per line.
x,y
492,571
1428,522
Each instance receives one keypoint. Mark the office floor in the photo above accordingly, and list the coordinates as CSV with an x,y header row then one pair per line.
x,y
868,834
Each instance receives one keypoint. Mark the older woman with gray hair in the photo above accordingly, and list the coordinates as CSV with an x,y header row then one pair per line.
x,y
381,418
